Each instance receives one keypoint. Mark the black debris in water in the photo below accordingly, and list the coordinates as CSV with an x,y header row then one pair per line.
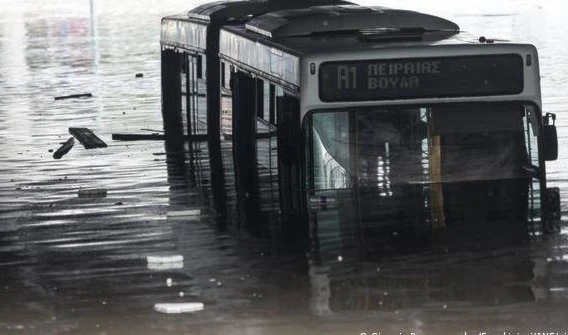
x,y
87,138
137,137
153,137
74,96
64,148
139,75
93,193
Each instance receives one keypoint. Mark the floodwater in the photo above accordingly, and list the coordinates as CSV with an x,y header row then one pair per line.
x,y
78,265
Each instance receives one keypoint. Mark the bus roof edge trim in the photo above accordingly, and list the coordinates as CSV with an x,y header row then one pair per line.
x,y
186,34
273,62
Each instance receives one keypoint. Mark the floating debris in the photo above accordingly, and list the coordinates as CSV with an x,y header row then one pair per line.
x,y
87,138
64,149
152,130
165,259
165,266
74,96
165,262
154,137
177,308
139,75
190,214
138,137
93,193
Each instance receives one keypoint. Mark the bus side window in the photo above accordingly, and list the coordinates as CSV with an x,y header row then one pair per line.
x,y
185,89
260,98
226,72
271,105
223,75
226,101
194,96
200,66
278,95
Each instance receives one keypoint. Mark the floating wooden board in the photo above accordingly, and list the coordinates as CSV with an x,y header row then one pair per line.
x,y
154,137
74,96
87,138
64,148
179,307
137,137
93,193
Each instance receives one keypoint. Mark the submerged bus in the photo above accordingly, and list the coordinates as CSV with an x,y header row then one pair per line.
x,y
191,83
391,119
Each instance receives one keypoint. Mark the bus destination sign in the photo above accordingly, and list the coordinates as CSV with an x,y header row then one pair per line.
x,y
421,78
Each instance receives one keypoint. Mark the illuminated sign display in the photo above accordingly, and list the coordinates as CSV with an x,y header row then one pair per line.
x,y
421,78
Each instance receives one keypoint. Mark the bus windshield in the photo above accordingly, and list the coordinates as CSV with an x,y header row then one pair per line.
x,y
386,147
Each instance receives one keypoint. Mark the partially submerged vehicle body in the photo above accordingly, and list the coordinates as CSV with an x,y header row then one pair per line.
x,y
384,119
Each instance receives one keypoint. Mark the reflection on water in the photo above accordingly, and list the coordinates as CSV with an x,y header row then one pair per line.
x,y
80,265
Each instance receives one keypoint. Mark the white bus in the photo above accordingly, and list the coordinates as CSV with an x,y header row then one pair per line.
x,y
388,118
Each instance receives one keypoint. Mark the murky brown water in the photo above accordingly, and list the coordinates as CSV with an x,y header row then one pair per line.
x,y
79,265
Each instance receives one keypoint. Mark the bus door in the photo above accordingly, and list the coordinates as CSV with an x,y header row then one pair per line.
x,y
366,170
385,160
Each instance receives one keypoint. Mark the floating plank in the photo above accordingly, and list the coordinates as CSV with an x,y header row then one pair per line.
x,y
189,212
87,138
156,131
164,266
153,137
165,259
64,149
177,308
74,96
192,214
137,137
93,193
161,263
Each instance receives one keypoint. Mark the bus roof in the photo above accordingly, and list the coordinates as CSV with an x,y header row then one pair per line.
x,y
190,30
226,11
360,40
345,18
324,29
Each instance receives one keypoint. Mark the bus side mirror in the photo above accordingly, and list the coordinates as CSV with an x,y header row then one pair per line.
x,y
550,138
